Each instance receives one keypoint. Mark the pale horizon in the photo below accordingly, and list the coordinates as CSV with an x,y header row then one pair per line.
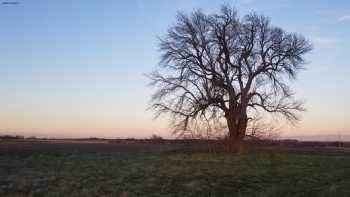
x,y
76,69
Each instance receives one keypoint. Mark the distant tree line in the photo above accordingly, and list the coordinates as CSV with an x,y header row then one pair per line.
x,y
11,137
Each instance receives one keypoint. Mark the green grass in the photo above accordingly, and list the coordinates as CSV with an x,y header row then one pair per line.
x,y
174,173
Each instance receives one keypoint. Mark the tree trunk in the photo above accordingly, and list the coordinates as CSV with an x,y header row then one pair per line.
x,y
237,125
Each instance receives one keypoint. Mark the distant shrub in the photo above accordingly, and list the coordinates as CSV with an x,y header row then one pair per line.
x,y
31,138
92,138
156,137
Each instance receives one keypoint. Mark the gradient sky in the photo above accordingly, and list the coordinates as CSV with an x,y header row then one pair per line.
x,y
76,68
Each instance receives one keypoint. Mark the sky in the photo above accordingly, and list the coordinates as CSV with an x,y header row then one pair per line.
x,y
77,68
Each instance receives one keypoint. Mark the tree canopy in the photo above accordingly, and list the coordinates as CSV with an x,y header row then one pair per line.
x,y
222,68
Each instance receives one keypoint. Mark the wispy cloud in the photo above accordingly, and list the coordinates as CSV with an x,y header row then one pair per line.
x,y
246,1
343,18
321,40
140,4
260,5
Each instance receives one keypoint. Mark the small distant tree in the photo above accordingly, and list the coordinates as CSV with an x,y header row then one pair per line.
x,y
222,69
156,137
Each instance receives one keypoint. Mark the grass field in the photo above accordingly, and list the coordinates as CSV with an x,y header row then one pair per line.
x,y
70,169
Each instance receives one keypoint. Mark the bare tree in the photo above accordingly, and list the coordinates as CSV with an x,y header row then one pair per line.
x,y
219,67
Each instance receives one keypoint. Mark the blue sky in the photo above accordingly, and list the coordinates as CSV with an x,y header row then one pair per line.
x,y
76,68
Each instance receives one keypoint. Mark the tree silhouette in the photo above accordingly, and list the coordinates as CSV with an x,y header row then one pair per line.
x,y
217,67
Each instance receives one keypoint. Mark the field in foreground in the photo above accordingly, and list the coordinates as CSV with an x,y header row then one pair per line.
x,y
76,169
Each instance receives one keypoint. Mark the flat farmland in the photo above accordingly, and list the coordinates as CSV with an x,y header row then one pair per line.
x,y
99,168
